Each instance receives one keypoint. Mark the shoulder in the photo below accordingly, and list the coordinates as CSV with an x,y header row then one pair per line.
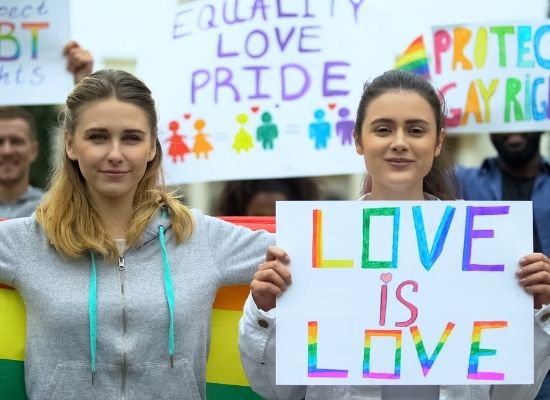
x,y
17,231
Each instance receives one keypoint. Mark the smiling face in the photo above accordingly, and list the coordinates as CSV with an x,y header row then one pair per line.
x,y
398,141
112,144
17,151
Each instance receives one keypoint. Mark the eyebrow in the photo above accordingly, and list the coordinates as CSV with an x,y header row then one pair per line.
x,y
103,130
391,121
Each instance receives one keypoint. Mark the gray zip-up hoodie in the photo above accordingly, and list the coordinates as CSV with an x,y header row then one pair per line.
x,y
132,360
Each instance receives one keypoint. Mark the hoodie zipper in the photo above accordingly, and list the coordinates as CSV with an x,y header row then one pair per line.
x,y
124,367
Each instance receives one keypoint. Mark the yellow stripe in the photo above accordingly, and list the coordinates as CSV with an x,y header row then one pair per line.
x,y
12,325
224,364
410,57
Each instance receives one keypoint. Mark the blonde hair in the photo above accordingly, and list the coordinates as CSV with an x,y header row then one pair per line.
x,y
70,219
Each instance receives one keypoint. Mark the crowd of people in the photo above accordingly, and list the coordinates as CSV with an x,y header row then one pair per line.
x,y
135,271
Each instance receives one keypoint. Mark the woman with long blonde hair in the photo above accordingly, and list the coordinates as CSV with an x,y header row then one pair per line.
x,y
118,276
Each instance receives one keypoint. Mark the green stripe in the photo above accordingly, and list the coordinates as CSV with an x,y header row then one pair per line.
x,y
12,380
12,385
215,391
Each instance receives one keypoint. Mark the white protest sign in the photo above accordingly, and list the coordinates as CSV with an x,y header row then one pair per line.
x,y
404,293
32,66
257,89
494,76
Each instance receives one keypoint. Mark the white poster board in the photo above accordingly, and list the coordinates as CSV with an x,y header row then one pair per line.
x,y
32,66
264,89
404,293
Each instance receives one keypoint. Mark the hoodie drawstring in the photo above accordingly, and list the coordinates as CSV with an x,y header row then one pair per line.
x,y
92,313
169,290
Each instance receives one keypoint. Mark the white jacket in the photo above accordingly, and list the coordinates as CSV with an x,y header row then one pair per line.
x,y
257,348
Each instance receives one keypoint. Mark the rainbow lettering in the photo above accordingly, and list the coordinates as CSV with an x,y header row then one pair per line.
x,y
377,212
312,370
476,351
369,333
425,362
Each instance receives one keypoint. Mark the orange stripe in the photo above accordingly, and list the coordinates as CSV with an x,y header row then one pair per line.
x,y
231,298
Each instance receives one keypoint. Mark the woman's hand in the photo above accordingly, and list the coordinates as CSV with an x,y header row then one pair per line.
x,y
534,276
271,279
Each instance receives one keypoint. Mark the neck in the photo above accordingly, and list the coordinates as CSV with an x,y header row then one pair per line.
x,y
9,193
381,192
117,215
528,170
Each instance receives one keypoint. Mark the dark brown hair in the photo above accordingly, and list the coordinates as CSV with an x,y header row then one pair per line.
x,y
20,113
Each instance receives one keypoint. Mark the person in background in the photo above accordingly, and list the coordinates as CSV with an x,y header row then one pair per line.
x,y
19,146
258,197
400,133
519,172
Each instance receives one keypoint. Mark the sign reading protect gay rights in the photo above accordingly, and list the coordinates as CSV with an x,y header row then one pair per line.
x,y
404,293
494,76
32,67
257,89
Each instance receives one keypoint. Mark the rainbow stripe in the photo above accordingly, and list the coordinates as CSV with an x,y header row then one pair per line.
x,y
476,351
368,213
415,59
425,362
312,370
317,260
369,334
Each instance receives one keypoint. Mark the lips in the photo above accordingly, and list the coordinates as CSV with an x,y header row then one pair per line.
x,y
399,162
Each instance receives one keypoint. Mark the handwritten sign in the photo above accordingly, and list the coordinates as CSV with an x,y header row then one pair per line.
x,y
252,89
494,76
32,67
401,293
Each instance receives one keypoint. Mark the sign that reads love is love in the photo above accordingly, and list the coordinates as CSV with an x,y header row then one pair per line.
x,y
494,77
404,293
255,89
32,67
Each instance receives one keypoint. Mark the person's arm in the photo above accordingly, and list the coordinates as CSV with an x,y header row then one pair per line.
x,y
257,350
14,234
79,61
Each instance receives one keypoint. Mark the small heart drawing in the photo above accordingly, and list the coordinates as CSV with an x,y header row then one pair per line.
x,y
254,109
386,277
186,115
332,106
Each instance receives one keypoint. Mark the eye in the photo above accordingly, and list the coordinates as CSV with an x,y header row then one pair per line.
x,y
131,137
382,130
416,131
97,137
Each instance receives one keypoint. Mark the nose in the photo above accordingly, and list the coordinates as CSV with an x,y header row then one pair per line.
x,y
115,152
6,147
399,143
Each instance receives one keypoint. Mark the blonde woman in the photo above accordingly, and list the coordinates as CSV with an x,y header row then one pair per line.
x,y
118,277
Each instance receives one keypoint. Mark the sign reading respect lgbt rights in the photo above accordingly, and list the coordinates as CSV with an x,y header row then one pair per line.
x,y
32,67
495,77
257,89
404,293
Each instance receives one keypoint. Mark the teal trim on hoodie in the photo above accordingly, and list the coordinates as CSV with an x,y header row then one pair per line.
x,y
55,290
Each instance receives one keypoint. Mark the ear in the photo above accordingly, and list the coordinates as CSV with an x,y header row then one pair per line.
x,y
152,152
69,147
357,140
34,150
440,144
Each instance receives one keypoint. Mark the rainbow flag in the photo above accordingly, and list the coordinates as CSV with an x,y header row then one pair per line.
x,y
225,378
415,59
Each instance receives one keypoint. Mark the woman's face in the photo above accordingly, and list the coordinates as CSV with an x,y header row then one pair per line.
x,y
398,142
112,144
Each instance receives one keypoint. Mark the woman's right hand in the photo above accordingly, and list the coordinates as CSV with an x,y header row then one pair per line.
x,y
271,279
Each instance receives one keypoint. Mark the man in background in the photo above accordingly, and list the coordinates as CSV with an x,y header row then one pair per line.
x,y
19,147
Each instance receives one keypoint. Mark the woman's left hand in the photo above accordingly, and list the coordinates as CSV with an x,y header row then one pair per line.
x,y
534,276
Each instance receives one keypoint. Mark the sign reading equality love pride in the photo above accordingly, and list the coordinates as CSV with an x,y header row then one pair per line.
x,y
32,67
494,76
404,293
257,89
